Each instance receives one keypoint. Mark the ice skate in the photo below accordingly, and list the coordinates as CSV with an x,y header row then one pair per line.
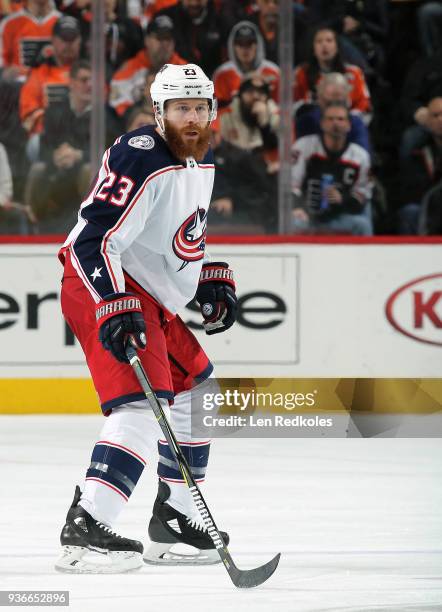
x,y
177,539
83,537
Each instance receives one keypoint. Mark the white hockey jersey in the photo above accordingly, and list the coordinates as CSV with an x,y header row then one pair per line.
x,y
145,219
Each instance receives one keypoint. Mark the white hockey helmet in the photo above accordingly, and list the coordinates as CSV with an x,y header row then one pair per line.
x,y
181,81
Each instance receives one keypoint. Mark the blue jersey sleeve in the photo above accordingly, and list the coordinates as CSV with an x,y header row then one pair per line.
x,y
117,208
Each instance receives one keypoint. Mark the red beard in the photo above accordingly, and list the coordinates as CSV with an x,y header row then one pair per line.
x,y
181,149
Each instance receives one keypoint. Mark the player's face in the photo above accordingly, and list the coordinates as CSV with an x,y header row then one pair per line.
x,y
188,116
187,127
435,116
325,46
335,122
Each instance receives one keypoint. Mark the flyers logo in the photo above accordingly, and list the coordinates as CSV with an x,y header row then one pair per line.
x,y
189,241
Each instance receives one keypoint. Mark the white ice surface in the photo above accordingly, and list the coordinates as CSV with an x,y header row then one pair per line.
x,y
358,522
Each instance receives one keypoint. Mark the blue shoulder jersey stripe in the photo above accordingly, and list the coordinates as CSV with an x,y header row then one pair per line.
x,y
103,218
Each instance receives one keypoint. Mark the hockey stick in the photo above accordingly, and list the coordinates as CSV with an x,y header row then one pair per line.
x,y
240,578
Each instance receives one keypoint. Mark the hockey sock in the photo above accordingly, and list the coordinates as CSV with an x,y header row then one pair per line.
x,y
196,451
128,439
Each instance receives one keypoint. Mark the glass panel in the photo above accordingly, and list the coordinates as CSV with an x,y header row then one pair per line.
x,y
248,49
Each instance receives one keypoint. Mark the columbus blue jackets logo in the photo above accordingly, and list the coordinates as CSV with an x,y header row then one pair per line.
x,y
189,241
142,142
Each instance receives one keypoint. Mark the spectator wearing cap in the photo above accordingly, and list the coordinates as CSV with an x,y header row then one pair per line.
x,y
23,35
48,83
128,83
246,57
246,157
200,32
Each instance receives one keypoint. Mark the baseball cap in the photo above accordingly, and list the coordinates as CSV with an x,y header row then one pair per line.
x,y
161,25
245,33
66,28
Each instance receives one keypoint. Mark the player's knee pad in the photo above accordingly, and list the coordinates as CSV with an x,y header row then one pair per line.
x,y
189,409
135,426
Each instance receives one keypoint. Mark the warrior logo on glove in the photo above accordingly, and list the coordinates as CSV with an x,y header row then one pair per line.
x,y
120,319
216,297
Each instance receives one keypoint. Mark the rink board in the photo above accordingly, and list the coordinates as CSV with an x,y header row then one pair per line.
x,y
313,309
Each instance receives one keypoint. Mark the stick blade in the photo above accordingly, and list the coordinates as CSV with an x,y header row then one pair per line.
x,y
246,579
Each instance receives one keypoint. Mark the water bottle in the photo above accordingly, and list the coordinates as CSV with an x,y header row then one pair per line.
x,y
327,180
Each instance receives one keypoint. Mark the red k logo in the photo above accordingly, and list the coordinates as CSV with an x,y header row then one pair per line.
x,y
415,309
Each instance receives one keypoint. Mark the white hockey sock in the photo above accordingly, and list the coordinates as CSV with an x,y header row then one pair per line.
x,y
196,451
181,499
127,442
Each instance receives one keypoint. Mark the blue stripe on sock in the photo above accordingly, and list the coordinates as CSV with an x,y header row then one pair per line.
x,y
197,457
115,466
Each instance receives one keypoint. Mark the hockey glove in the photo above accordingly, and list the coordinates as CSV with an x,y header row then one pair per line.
x,y
119,317
216,297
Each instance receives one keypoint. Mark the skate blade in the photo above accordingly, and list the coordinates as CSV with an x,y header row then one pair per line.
x,y
79,560
179,554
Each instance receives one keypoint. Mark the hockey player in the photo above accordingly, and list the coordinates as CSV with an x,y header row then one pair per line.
x,y
135,257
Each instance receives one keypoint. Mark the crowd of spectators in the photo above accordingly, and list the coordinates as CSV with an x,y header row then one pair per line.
x,y
367,107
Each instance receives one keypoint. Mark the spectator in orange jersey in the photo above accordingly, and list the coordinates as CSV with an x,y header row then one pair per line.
x,y
326,57
49,82
128,83
23,35
246,57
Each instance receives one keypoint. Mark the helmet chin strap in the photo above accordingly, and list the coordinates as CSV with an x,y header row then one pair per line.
x,y
160,123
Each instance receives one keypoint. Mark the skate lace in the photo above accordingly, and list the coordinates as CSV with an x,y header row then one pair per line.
x,y
108,530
